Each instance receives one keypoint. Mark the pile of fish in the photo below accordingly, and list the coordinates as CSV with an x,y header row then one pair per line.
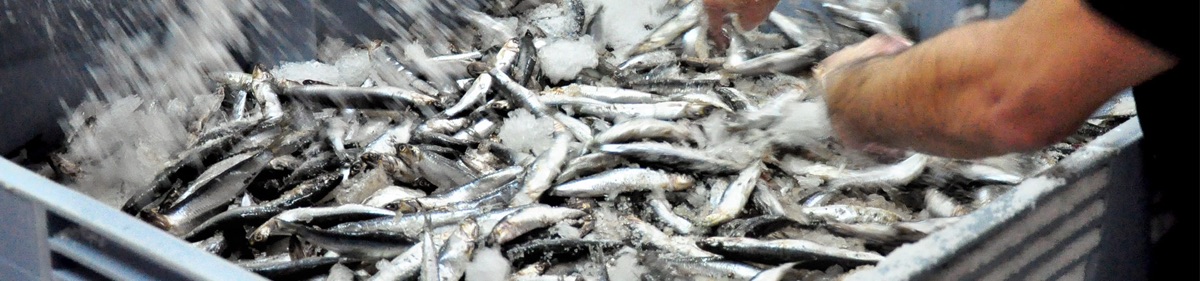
x,y
680,162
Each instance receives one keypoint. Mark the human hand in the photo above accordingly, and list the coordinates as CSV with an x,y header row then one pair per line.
x,y
878,45
826,73
750,13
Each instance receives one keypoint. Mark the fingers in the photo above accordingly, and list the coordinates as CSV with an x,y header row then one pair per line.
x,y
750,13
878,45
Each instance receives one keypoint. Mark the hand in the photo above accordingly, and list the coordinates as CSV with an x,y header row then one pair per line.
x,y
878,45
750,13
826,74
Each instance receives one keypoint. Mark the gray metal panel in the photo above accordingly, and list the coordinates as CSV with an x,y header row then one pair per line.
x,y
1085,217
24,253
100,237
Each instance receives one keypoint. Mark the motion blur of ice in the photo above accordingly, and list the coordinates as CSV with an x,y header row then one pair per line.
x,y
350,69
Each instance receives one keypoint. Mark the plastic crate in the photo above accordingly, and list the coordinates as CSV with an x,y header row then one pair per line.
x,y
1089,226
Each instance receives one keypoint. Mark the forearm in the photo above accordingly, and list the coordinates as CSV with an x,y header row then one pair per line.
x,y
916,99
992,87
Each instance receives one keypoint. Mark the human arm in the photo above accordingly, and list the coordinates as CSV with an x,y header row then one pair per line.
x,y
991,87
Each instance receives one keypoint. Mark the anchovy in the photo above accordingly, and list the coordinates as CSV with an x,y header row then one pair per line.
x,y
443,126
890,234
648,60
386,144
647,234
581,131
767,200
384,196
205,153
541,174
787,250
941,205
850,214
644,129
211,191
662,209
623,180
456,253
407,265
588,165
527,219
774,274
718,270
482,162
757,226
736,100
315,216
215,245
438,170
527,98
262,87
470,191
735,196
703,98
604,94
878,23
232,217
482,129
408,225
381,97
695,43
883,177
687,18
778,62
505,58
673,158
291,269
363,244
670,110
793,30
474,96
559,250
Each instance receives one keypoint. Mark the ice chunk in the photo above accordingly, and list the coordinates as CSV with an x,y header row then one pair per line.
x,y
624,23
340,272
523,132
626,266
487,265
564,59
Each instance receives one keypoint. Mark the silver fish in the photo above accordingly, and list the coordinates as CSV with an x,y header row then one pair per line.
x,y
623,180
457,251
587,165
777,62
786,250
529,218
886,177
671,157
474,95
735,196
644,129
687,18
662,209
941,205
647,234
670,110
541,174
850,214
215,188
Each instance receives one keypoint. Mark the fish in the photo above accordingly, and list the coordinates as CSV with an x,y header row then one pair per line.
x,y
673,158
735,196
623,180
787,250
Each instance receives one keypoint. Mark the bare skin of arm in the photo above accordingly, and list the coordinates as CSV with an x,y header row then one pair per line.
x,y
991,87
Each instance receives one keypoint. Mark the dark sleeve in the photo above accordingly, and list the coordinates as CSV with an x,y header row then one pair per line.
x,y
1169,25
